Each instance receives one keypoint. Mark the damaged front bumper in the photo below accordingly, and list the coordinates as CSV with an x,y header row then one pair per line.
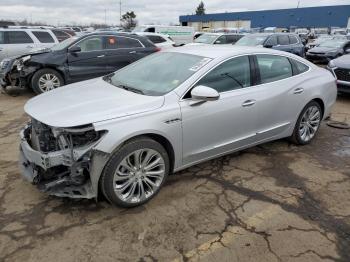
x,y
63,173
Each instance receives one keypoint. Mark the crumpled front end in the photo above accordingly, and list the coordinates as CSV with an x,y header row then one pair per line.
x,y
62,161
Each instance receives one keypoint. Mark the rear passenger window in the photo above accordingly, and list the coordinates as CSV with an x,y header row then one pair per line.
x,y
283,40
293,39
273,68
299,67
43,37
115,42
18,37
230,75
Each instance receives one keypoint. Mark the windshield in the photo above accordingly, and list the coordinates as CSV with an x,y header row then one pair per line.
x,y
332,44
157,74
251,40
206,39
64,44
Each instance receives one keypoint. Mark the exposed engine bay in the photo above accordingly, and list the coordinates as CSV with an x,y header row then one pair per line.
x,y
58,160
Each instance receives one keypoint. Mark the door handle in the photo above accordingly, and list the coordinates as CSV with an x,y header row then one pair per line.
x,y
100,56
249,103
298,90
29,46
132,52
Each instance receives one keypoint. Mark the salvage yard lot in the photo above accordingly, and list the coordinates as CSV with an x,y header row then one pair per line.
x,y
275,202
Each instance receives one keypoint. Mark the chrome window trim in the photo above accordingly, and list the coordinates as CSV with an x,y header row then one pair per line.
x,y
248,87
142,45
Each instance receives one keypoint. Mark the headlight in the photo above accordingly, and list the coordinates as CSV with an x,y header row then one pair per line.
x,y
331,64
25,58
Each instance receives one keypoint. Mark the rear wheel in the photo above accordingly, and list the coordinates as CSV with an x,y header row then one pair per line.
x,y
135,173
45,80
308,124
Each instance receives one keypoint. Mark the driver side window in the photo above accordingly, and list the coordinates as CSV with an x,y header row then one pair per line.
x,y
221,40
272,41
91,44
230,75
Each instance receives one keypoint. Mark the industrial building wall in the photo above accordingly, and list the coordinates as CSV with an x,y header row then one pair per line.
x,y
326,16
199,26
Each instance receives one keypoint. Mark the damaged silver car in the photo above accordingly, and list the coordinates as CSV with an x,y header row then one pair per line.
x,y
122,134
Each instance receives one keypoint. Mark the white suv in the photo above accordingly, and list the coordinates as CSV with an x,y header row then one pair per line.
x,y
15,41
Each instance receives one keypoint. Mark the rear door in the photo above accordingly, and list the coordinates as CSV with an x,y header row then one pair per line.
x,y
279,92
122,51
17,43
90,62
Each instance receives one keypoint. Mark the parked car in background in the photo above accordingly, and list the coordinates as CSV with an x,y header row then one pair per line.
x,y
287,42
15,42
160,40
124,133
62,34
218,38
328,50
179,34
197,34
340,67
75,59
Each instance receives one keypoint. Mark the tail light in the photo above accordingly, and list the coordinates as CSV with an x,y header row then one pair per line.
x,y
158,49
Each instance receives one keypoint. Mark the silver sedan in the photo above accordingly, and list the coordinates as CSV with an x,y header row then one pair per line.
x,y
124,133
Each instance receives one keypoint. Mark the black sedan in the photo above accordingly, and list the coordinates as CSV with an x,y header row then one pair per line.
x,y
328,50
75,59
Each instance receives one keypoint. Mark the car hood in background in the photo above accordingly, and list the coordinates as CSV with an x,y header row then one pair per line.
x,y
319,49
342,62
88,102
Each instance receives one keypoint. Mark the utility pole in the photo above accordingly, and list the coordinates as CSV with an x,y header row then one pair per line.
x,y
298,4
120,12
105,16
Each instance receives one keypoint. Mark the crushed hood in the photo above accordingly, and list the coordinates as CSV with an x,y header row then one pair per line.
x,y
88,102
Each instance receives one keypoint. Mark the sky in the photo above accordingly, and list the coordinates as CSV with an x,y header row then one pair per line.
x,y
62,12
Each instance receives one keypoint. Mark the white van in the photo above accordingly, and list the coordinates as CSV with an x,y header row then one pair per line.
x,y
179,34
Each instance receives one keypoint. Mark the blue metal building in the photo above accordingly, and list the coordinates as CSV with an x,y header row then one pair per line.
x,y
310,17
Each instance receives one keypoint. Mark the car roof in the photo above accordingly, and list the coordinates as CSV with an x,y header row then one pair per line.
x,y
214,52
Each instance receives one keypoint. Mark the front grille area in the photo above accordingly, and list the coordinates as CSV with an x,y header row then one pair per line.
x,y
342,74
4,64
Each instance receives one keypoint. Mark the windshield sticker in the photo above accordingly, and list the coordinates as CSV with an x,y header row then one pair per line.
x,y
200,64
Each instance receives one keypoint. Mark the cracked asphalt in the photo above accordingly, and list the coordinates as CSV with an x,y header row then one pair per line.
x,y
274,202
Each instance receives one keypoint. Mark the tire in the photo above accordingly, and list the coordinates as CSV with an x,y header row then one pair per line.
x,y
125,186
53,80
308,124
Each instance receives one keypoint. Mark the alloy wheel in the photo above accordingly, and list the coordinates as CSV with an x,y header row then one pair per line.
x,y
48,82
309,124
139,175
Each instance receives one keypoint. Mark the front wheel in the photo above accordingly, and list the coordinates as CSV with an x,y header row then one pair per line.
x,y
45,80
308,124
135,173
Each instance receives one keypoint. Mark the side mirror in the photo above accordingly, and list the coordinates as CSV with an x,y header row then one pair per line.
x,y
217,42
75,49
204,93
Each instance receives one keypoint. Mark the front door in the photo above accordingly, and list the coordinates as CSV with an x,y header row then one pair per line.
x,y
216,127
90,62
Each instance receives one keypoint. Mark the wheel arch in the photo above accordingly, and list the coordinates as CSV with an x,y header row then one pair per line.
x,y
321,103
47,67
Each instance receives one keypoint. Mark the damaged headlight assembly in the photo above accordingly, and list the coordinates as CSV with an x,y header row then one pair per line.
x,y
20,62
58,160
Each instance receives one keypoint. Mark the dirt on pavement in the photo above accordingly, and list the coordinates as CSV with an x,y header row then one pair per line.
x,y
274,202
